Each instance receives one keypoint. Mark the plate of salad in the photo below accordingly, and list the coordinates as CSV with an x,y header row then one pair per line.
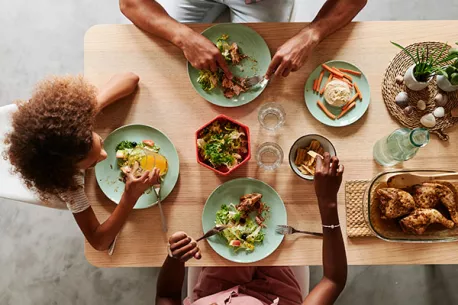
x,y
223,145
251,209
136,148
246,54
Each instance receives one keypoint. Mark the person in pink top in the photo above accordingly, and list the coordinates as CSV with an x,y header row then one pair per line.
x,y
264,285
151,17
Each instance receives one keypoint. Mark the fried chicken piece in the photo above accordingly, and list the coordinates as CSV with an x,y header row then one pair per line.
x,y
395,202
425,196
249,202
237,89
447,197
227,83
420,219
234,52
228,93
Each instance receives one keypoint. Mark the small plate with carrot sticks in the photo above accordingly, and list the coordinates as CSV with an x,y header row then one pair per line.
x,y
337,93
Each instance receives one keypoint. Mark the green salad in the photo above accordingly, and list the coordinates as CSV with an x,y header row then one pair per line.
x,y
209,80
135,158
222,144
245,221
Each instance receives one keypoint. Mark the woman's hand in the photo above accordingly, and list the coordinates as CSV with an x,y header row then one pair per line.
x,y
292,55
328,177
183,247
202,54
135,187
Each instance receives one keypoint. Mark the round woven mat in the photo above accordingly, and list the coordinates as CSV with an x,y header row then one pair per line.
x,y
398,66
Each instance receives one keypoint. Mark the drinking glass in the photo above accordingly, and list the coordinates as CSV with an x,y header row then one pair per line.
x,y
271,116
269,156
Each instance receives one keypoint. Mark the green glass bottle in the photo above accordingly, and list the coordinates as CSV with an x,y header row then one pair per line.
x,y
400,146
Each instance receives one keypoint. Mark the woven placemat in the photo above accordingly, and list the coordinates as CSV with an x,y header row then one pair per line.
x,y
356,225
398,66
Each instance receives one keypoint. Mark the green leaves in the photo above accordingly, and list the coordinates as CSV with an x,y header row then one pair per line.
x,y
427,65
416,61
125,144
454,79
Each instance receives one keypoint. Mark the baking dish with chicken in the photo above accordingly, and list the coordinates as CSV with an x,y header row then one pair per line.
x,y
424,212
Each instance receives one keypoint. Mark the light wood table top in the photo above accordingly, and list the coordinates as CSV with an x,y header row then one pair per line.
x,y
165,99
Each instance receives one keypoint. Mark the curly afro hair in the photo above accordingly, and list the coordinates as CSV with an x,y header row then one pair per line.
x,y
51,133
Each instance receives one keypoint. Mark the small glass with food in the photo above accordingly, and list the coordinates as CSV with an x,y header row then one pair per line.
x,y
223,145
417,208
303,154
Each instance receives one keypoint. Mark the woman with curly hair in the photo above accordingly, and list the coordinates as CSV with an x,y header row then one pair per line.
x,y
52,142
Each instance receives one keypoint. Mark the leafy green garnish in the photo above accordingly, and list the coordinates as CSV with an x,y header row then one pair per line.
x,y
125,145
208,80
222,144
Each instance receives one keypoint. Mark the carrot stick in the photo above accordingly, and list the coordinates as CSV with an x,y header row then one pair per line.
x,y
325,110
333,71
358,91
350,71
327,82
314,85
348,82
348,77
352,105
350,101
319,80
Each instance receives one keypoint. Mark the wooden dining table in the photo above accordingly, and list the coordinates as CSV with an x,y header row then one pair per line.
x,y
166,100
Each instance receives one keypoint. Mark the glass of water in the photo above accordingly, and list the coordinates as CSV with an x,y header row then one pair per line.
x,y
271,116
269,156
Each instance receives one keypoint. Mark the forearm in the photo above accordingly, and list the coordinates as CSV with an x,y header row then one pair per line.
x,y
151,17
118,87
334,15
334,262
170,280
334,256
105,233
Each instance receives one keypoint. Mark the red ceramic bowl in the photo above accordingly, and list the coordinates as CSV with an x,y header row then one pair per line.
x,y
224,170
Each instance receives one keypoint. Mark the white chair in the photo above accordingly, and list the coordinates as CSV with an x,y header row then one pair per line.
x,y
302,274
11,187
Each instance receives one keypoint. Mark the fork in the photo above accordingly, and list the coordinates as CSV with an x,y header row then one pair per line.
x,y
287,230
157,190
254,80
217,229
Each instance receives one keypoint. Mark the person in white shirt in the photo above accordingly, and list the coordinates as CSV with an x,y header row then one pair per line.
x,y
151,17
53,141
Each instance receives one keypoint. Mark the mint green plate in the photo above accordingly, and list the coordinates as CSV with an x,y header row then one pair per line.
x,y
107,172
353,115
251,44
230,192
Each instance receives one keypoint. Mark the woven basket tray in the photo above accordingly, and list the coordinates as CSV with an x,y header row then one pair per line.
x,y
398,66
356,225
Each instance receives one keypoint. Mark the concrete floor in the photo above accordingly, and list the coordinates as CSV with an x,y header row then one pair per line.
x,y
41,250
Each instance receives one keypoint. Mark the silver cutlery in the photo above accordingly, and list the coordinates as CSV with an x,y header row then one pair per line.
x,y
112,246
287,230
157,190
254,80
217,229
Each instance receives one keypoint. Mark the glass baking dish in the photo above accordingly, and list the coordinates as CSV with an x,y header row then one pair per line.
x,y
389,229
